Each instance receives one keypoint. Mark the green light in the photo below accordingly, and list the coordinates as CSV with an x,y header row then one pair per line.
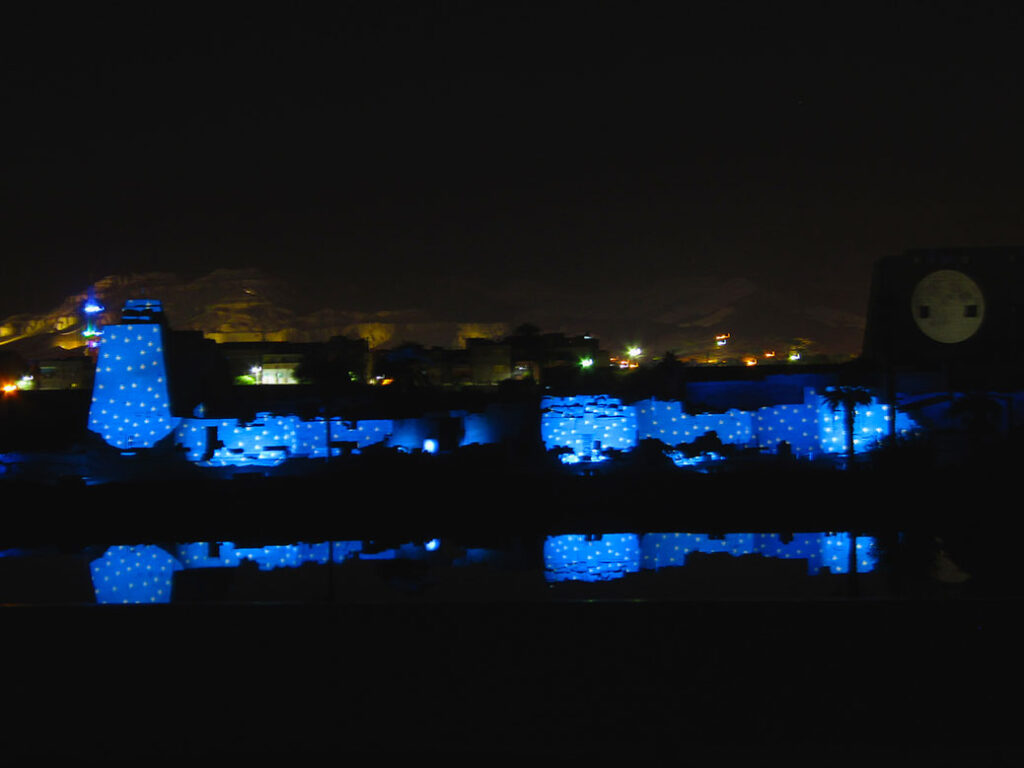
x,y
586,362
634,351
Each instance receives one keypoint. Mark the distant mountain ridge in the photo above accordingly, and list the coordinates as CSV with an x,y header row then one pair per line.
x,y
235,305
248,305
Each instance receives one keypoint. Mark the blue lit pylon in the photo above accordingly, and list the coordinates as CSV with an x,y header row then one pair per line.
x,y
130,404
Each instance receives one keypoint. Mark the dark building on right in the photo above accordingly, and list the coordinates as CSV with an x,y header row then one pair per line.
x,y
954,311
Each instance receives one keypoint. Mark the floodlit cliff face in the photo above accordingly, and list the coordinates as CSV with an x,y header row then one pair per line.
x,y
236,305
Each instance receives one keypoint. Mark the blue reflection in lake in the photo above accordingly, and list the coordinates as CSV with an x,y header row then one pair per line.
x,y
146,573
135,574
574,557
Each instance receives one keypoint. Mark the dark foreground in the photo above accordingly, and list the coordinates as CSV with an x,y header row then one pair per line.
x,y
831,683
917,679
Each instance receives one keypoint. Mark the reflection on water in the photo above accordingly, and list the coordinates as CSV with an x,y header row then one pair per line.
x,y
612,556
140,574
369,570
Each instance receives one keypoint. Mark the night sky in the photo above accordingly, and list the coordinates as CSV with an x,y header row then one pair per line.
x,y
495,159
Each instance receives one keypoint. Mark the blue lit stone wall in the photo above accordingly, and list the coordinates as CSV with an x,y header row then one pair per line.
x,y
131,409
409,434
588,424
130,405
363,433
479,429
266,441
311,438
811,428
269,440
666,421
751,395
795,424
871,424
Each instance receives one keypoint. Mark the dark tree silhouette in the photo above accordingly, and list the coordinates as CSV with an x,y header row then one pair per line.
x,y
981,415
847,398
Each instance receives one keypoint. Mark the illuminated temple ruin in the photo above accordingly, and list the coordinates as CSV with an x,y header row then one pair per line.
x,y
131,409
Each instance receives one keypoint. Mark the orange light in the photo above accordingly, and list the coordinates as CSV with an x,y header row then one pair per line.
x,y
10,389
751,361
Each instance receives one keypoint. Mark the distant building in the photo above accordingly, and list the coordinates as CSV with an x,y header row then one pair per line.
x,y
532,354
481,363
67,373
271,363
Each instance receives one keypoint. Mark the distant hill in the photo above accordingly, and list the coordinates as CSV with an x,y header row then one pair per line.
x,y
248,305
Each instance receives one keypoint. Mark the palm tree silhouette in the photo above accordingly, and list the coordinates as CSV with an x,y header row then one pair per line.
x,y
847,398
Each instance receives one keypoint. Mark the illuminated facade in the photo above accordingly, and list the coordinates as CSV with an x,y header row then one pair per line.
x,y
666,421
131,409
269,440
590,424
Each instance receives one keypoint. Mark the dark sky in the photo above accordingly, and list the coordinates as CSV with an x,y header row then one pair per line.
x,y
383,151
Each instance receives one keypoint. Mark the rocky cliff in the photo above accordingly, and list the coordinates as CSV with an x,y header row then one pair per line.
x,y
234,305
